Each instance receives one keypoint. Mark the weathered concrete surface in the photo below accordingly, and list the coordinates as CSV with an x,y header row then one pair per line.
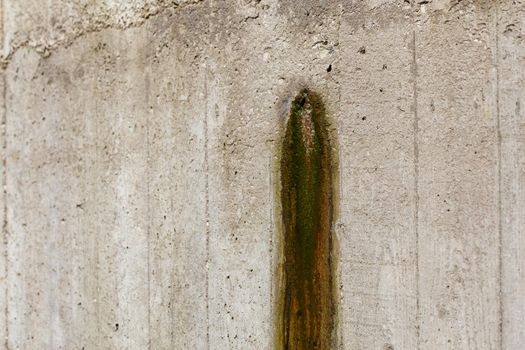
x,y
46,25
141,170
377,222
458,191
511,97
3,236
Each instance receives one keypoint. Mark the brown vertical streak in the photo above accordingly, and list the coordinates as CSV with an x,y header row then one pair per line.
x,y
306,194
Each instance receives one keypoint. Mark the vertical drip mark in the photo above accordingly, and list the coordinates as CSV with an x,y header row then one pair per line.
x,y
307,318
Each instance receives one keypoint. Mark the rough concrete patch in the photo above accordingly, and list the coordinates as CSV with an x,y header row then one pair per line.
x,y
27,24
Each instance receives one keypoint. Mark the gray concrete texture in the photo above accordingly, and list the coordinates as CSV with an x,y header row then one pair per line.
x,y
141,140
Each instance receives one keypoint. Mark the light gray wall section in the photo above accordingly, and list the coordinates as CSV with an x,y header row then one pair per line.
x,y
142,178
178,194
458,184
377,205
44,180
511,69
82,172
116,255
3,231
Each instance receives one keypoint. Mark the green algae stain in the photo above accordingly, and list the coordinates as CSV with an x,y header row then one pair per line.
x,y
307,307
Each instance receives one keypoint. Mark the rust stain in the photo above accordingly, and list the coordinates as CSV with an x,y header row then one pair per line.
x,y
307,307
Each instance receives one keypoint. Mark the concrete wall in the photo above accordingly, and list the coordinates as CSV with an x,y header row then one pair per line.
x,y
139,169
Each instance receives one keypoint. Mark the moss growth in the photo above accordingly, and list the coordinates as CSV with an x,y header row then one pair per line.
x,y
306,195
